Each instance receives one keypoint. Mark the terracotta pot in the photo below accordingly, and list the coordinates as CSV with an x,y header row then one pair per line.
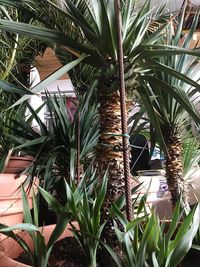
x,y
11,208
18,164
9,249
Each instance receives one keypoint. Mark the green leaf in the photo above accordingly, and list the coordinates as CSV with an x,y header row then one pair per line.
x,y
26,209
154,260
186,236
135,222
99,201
10,88
51,200
22,226
114,255
147,101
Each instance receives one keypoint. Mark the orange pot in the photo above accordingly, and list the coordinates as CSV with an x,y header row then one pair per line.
x,y
11,250
11,207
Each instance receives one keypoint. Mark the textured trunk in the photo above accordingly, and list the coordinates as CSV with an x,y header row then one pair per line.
x,y
108,156
109,142
174,168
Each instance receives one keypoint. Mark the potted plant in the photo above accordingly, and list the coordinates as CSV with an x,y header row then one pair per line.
x,y
87,229
10,249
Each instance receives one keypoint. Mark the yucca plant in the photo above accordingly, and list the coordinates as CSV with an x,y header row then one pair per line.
x,y
149,242
55,148
41,253
85,202
170,115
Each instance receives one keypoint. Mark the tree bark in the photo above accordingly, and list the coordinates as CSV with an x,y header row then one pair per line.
x,y
174,168
110,141
109,157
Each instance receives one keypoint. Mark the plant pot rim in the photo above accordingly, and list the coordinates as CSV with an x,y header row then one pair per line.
x,y
28,157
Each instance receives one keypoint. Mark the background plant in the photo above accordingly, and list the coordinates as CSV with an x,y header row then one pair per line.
x,y
171,114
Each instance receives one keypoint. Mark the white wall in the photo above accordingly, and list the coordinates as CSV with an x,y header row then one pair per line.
x,y
173,5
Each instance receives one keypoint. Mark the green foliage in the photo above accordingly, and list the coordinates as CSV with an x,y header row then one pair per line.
x,y
191,154
87,214
84,204
55,148
88,28
145,241
169,92
149,242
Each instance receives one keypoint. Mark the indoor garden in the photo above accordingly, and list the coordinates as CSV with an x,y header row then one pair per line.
x,y
99,155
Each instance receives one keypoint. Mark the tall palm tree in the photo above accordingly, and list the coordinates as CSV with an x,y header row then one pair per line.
x,y
88,27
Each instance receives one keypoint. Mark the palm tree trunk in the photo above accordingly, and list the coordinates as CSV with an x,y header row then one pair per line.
x,y
174,168
110,156
110,143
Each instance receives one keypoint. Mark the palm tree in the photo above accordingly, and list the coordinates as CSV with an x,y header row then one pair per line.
x,y
93,32
171,116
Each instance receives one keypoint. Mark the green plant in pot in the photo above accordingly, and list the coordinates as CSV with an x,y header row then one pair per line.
x,y
11,160
55,148
83,205
15,51
42,238
11,177
144,241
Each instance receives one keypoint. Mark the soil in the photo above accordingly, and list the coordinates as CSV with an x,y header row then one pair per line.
x,y
66,253
192,259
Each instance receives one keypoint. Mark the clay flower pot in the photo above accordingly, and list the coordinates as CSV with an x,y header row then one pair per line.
x,y
11,207
18,164
9,249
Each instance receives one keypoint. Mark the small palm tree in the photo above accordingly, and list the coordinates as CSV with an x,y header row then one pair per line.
x,y
171,115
